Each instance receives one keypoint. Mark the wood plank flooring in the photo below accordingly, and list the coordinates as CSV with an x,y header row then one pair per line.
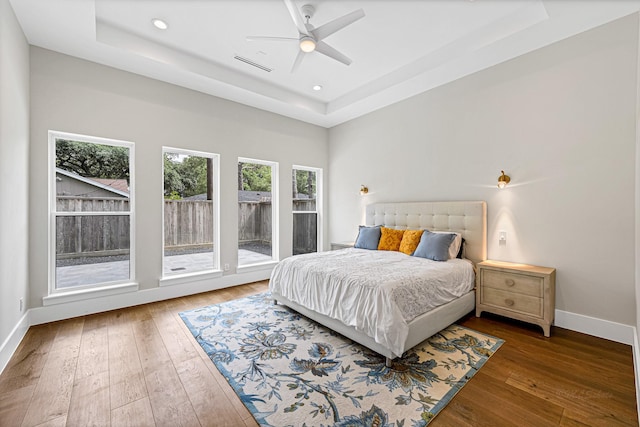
x,y
140,366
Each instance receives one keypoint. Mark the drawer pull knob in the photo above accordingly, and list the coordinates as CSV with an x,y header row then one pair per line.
x,y
509,302
509,282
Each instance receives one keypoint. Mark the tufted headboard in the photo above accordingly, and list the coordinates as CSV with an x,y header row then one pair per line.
x,y
466,218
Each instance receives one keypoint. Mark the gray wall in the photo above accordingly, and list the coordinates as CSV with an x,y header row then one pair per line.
x,y
14,176
73,95
560,121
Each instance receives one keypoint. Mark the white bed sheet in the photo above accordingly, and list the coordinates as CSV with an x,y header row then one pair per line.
x,y
376,292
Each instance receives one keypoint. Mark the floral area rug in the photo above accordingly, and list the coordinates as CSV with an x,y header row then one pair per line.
x,y
290,371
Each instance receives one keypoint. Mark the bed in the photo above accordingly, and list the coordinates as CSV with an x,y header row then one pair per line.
x,y
369,318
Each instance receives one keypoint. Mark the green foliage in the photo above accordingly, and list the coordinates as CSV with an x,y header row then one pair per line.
x,y
173,196
255,177
172,180
184,176
305,182
93,160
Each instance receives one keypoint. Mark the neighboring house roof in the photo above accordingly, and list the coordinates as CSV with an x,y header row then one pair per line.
x,y
254,196
94,182
300,196
118,184
243,196
197,197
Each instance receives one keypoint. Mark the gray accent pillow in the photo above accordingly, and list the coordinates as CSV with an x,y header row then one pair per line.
x,y
434,246
368,238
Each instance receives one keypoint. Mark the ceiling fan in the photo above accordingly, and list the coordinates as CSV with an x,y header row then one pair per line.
x,y
309,37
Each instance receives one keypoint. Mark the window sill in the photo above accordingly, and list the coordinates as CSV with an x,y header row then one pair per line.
x,y
256,267
85,294
189,277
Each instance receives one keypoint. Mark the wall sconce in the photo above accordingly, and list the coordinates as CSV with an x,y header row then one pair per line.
x,y
363,190
503,180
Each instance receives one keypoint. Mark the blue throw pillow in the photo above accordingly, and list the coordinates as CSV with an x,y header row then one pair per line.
x,y
434,246
368,238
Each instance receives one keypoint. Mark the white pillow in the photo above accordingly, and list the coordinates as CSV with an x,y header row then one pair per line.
x,y
454,248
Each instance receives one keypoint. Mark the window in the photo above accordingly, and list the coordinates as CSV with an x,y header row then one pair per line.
x,y
190,209
257,211
91,212
306,209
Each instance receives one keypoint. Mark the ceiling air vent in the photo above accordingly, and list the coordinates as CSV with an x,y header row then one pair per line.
x,y
255,64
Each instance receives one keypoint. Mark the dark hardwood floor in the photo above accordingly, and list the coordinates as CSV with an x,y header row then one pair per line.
x,y
140,366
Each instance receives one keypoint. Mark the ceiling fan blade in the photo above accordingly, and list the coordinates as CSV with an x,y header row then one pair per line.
x,y
297,17
337,24
271,39
327,50
298,60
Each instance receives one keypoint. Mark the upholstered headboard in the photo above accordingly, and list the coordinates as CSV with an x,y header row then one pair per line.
x,y
466,218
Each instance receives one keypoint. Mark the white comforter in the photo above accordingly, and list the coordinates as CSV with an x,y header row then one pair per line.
x,y
376,292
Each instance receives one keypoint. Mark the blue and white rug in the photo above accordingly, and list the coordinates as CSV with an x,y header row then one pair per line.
x,y
290,371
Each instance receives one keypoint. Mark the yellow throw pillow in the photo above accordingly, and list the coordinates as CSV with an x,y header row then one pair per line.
x,y
390,239
410,241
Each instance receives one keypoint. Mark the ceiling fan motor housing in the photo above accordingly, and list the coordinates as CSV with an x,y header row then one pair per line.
x,y
308,11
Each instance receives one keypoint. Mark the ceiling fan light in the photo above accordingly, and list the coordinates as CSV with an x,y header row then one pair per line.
x,y
307,44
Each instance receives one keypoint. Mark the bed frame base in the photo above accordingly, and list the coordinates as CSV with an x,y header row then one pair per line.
x,y
420,328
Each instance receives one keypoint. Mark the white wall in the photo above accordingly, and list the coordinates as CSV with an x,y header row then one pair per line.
x,y
73,95
14,176
560,121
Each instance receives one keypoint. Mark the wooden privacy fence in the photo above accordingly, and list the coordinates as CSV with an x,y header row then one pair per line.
x,y
305,232
254,222
186,223
305,226
88,234
92,235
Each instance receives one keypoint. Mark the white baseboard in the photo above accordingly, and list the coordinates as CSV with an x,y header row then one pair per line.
x,y
68,310
606,329
52,313
636,361
10,345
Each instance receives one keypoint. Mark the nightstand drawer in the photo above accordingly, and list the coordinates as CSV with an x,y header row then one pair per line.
x,y
513,282
517,302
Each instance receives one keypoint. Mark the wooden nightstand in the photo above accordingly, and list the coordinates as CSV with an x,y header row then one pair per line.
x,y
520,291
341,245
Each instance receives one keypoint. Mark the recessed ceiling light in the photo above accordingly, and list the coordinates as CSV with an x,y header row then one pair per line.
x,y
317,87
159,24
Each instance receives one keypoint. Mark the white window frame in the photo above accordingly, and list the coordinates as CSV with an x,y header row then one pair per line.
x,y
178,278
275,217
319,198
82,292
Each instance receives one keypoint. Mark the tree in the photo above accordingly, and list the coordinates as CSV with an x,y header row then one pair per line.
x,y
305,182
92,160
255,177
193,171
186,176
173,187
294,184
